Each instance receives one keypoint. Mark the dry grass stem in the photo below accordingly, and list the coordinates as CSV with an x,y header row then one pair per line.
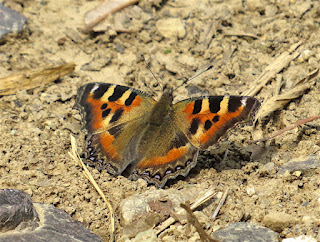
x,y
221,202
277,102
96,15
75,156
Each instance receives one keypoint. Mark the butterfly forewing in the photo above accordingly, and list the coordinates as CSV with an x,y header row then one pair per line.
x,y
205,120
111,114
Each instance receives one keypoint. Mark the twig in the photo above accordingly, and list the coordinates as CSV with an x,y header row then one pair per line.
x,y
95,16
192,219
296,124
253,36
75,156
202,199
221,202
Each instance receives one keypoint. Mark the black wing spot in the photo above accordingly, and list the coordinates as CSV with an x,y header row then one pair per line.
x,y
117,115
117,93
130,99
214,103
234,103
197,106
104,106
194,126
116,131
98,93
207,125
216,119
106,112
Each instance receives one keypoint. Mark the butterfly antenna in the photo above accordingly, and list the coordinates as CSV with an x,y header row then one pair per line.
x,y
187,80
148,67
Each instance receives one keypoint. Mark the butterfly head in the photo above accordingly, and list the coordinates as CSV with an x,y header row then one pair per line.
x,y
168,94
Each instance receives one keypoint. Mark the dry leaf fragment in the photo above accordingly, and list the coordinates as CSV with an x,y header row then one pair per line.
x,y
26,80
278,102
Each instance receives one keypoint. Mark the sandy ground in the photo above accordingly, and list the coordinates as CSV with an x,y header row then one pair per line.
x,y
35,125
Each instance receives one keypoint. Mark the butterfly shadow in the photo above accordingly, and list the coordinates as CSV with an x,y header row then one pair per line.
x,y
227,156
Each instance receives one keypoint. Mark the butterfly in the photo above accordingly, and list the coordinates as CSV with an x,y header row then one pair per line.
x,y
129,133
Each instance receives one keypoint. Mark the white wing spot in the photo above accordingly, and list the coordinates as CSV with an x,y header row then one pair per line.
x,y
95,87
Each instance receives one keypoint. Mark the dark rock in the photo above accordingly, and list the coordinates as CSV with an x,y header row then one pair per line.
x,y
54,224
10,21
245,232
16,209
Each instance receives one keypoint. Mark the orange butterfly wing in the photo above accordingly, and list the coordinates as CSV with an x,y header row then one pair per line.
x,y
205,120
129,132
111,115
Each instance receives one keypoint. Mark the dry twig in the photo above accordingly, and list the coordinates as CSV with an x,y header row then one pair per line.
x,y
202,199
296,124
95,16
192,219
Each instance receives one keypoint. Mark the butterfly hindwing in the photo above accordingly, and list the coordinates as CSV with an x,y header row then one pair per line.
x,y
169,155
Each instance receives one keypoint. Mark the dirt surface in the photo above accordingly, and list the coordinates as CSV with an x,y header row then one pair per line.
x,y
239,38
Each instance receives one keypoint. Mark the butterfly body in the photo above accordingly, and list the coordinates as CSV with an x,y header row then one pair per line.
x,y
130,133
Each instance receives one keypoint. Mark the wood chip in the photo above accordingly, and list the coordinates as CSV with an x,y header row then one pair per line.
x,y
27,80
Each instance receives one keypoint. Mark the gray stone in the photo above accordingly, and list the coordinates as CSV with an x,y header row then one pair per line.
x,y
54,224
245,232
10,21
16,209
